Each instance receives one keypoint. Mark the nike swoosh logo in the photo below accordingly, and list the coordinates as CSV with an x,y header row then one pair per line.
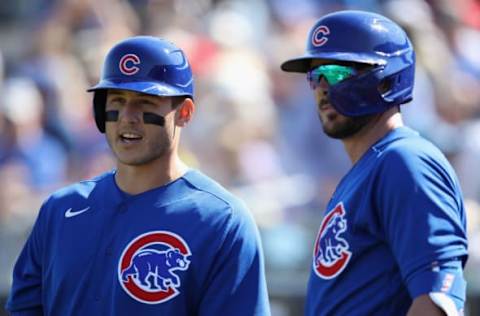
x,y
72,213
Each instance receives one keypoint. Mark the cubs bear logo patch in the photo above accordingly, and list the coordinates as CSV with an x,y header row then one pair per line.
x,y
149,266
331,253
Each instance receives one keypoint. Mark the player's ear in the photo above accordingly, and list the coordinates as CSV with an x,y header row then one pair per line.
x,y
184,112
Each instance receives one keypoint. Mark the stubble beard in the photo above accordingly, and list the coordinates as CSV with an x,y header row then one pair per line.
x,y
345,126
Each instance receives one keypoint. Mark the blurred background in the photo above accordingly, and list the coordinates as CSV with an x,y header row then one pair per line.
x,y
255,130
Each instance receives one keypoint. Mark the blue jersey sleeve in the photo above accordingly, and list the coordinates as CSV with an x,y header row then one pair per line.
x,y
420,208
26,292
237,283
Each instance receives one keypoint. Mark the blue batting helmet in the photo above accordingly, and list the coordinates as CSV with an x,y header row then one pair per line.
x,y
366,38
142,64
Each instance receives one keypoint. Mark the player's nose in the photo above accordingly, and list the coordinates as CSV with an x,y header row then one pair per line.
x,y
322,87
130,114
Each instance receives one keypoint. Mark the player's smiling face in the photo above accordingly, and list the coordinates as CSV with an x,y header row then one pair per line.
x,y
132,141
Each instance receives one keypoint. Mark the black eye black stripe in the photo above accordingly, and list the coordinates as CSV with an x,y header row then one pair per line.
x,y
111,116
152,118
148,118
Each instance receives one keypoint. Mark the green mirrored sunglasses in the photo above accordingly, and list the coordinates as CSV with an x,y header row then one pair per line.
x,y
333,74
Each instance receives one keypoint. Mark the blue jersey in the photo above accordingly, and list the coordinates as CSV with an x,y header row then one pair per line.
x,y
186,248
393,230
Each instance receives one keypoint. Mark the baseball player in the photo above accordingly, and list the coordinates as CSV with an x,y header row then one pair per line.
x,y
151,237
392,240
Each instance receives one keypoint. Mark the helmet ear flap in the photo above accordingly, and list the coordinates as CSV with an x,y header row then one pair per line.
x,y
99,100
398,87
384,86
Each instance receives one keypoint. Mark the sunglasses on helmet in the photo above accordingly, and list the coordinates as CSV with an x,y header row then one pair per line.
x,y
333,74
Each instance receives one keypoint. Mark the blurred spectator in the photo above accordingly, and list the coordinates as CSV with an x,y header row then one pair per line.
x,y
42,155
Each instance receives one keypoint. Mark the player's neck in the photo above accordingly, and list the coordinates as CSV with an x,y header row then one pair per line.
x,y
359,143
138,179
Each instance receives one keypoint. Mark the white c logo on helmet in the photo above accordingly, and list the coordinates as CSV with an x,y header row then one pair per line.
x,y
126,66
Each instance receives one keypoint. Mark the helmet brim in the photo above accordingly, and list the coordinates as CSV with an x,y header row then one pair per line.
x,y
303,64
151,88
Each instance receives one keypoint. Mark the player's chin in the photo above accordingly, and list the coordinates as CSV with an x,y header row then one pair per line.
x,y
133,161
128,155
329,119
342,127
333,132
141,156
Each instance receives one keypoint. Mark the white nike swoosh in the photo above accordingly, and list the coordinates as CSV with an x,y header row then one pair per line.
x,y
71,213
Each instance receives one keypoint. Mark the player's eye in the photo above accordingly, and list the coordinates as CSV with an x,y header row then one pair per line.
x,y
114,103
